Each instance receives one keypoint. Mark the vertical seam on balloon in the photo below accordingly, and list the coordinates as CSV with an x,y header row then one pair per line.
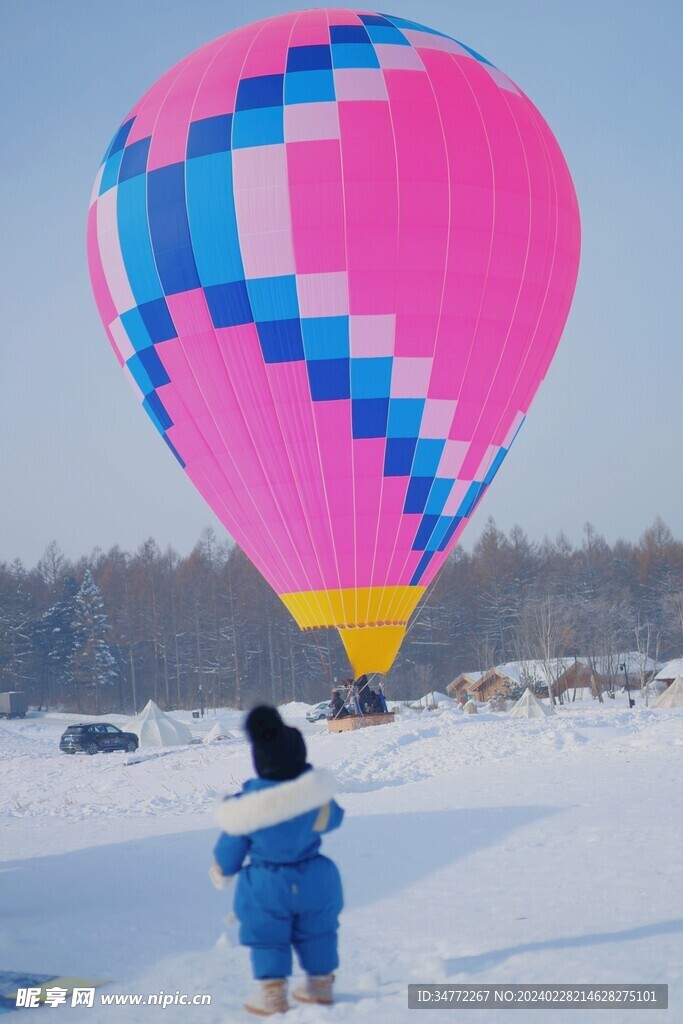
x,y
561,313
348,291
255,448
533,333
92,215
493,222
550,163
275,500
220,432
523,274
398,603
382,478
276,548
283,572
551,177
315,592
401,608
491,240
231,516
381,485
324,588
293,587
184,64
323,482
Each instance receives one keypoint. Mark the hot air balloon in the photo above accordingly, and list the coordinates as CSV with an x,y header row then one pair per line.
x,y
335,252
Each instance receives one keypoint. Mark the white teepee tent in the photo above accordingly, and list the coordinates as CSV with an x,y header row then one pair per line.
x,y
154,728
672,696
217,733
529,706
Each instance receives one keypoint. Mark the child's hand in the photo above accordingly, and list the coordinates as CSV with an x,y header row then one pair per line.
x,y
218,879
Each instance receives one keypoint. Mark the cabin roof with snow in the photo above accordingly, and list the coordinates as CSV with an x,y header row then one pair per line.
x,y
489,681
465,679
546,672
534,670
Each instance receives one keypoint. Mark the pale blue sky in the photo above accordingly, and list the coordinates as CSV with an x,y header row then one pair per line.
x,y
81,463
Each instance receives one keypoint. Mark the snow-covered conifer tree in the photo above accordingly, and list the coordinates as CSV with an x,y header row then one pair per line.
x,y
94,663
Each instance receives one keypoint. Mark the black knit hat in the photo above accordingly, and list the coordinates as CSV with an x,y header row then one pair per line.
x,y
279,751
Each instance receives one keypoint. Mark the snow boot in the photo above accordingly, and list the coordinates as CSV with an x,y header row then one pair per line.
x,y
271,998
316,988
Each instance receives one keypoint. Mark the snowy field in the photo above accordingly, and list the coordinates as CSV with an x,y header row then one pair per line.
x,y
475,849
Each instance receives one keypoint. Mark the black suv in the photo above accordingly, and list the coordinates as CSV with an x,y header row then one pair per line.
x,y
95,739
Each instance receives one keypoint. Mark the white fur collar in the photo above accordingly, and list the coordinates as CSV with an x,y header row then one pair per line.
x,y
263,808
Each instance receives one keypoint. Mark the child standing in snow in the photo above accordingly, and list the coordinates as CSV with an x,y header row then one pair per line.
x,y
288,894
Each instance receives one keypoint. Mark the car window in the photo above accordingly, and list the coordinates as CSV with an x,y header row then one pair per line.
x,y
100,728
111,728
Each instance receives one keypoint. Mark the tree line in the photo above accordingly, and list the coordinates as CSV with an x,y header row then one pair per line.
x,y
110,630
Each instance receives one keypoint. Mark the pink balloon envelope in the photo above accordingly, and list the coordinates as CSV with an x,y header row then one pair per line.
x,y
335,253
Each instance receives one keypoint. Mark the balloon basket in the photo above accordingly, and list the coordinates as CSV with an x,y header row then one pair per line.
x,y
358,722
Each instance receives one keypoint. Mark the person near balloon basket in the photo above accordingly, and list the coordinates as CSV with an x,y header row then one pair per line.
x,y
338,708
288,894
374,704
367,701
360,691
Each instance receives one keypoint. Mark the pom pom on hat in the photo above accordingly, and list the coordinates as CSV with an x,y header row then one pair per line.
x,y
263,724
279,751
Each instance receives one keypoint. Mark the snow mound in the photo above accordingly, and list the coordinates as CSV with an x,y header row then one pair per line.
x,y
435,697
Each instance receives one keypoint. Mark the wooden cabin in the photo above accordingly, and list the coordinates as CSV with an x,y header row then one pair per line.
x,y
491,684
459,689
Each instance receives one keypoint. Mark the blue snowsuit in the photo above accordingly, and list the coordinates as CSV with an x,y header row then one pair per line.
x,y
288,894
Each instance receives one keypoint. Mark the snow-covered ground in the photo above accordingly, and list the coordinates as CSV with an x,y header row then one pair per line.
x,y
475,849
